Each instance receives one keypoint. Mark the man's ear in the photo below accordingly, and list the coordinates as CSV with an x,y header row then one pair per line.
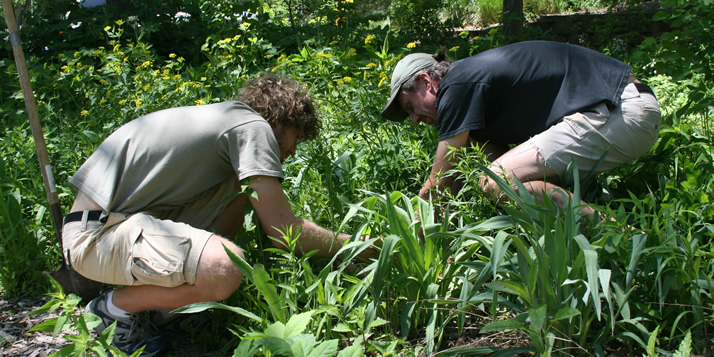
x,y
429,83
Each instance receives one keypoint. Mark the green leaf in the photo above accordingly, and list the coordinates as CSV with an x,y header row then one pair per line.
x,y
498,251
275,345
377,323
325,349
45,326
593,279
276,329
240,263
352,351
685,348
49,306
262,282
301,348
70,351
652,343
493,224
384,264
63,322
246,348
202,306
565,312
297,324
342,327
515,323
537,316
511,287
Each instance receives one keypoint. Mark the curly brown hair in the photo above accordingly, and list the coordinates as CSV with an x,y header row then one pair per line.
x,y
283,101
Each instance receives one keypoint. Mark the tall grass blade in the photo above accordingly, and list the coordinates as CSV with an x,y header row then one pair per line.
x,y
240,263
263,283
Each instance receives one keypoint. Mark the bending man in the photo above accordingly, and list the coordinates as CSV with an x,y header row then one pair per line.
x,y
153,203
555,102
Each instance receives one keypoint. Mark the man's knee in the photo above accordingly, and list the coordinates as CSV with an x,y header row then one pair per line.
x,y
217,272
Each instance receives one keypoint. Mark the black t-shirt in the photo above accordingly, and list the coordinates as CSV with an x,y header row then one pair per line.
x,y
508,94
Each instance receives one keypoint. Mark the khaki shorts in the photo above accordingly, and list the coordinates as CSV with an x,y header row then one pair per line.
x,y
615,135
157,248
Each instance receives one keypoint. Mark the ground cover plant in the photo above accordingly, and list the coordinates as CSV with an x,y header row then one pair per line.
x,y
534,278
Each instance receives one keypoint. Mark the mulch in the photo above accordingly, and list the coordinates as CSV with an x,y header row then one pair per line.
x,y
16,341
15,322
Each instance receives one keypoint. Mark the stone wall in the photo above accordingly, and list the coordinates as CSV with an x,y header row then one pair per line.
x,y
596,29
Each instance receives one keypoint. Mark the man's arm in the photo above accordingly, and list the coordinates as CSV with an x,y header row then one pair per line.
x,y
275,214
437,179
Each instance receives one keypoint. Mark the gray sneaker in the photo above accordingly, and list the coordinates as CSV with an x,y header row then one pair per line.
x,y
130,334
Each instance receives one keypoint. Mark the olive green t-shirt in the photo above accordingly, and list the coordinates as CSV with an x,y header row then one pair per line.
x,y
169,158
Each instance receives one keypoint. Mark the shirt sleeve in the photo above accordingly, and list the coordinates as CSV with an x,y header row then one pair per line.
x,y
253,150
461,107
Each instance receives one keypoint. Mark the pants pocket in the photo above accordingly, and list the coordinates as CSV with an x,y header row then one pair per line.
x,y
158,258
588,121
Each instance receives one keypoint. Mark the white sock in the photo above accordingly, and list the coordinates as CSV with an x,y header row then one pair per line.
x,y
113,309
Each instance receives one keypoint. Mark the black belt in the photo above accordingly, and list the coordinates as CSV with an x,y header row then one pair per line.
x,y
77,216
643,88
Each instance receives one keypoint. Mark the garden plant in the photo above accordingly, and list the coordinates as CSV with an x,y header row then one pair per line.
x,y
457,277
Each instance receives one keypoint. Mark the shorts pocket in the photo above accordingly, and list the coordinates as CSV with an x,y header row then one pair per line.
x,y
159,259
588,121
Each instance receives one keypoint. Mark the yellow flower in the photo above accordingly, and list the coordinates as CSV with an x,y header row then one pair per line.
x,y
172,55
383,77
200,102
347,79
371,65
411,44
84,113
107,28
122,102
369,39
138,103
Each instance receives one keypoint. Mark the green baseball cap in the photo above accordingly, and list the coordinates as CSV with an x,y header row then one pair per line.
x,y
403,71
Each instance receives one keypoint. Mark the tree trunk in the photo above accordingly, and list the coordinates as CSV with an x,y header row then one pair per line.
x,y
512,18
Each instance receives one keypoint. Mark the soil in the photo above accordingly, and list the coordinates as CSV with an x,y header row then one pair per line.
x,y
14,324
16,341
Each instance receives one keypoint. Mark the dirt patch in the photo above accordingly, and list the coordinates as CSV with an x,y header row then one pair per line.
x,y
15,322
16,341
